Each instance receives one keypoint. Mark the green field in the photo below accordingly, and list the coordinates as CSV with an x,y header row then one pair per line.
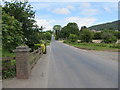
x,y
95,46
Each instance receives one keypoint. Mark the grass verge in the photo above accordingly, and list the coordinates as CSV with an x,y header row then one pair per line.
x,y
95,46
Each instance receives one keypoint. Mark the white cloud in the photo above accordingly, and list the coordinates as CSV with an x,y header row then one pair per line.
x,y
45,23
110,7
85,4
70,7
61,11
39,6
74,0
87,21
107,9
66,10
89,11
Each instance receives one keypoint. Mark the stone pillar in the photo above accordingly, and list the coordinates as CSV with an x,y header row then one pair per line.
x,y
22,62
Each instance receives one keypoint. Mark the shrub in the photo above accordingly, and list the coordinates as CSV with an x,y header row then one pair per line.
x,y
112,39
97,35
108,37
8,69
56,38
117,34
73,37
86,35
47,36
64,41
115,46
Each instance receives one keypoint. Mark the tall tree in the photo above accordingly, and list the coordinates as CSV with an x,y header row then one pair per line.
x,y
86,35
70,28
41,28
83,28
73,28
64,32
24,14
57,29
11,32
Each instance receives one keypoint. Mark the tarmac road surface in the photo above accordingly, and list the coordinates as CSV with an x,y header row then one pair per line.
x,y
70,67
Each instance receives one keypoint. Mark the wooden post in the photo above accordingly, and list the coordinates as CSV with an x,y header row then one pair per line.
x,y
22,62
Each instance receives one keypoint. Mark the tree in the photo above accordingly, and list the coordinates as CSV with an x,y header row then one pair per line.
x,y
108,37
73,37
117,34
83,28
51,32
64,32
97,35
0,27
24,14
86,35
47,36
71,28
57,29
11,32
41,28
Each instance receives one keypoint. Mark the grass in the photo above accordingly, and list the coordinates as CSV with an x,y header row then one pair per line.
x,y
95,46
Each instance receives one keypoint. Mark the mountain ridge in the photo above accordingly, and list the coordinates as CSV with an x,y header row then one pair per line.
x,y
106,26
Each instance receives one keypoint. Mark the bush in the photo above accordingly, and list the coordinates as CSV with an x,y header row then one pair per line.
x,y
73,37
66,41
115,46
97,35
108,37
112,39
86,35
117,34
56,38
47,36
7,71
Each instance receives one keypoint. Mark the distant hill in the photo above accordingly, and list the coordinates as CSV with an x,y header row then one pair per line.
x,y
106,26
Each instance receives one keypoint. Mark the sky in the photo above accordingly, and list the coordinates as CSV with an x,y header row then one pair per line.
x,y
61,12
87,14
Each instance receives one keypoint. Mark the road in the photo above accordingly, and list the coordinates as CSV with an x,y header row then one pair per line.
x,y
65,66
70,67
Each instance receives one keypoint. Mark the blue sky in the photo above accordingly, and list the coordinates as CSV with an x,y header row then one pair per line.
x,y
49,14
